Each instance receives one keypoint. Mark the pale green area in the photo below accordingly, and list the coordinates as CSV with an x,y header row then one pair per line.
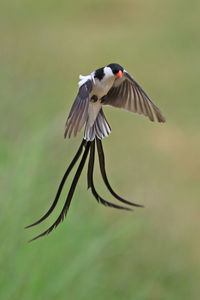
x,y
100,253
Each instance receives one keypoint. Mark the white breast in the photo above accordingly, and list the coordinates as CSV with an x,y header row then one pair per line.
x,y
93,111
101,87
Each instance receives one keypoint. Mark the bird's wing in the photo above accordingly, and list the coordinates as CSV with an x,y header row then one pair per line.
x,y
79,111
126,93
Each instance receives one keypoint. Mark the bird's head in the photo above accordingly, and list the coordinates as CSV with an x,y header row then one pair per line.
x,y
116,70
110,72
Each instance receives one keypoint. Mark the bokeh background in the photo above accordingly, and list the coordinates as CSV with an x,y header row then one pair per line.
x,y
99,252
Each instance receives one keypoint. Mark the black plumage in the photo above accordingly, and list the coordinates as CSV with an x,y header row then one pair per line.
x,y
89,147
99,73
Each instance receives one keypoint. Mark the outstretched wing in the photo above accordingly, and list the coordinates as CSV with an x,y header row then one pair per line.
x,y
79,111
126,93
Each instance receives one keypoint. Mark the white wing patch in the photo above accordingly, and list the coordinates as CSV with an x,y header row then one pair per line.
x,y
83,79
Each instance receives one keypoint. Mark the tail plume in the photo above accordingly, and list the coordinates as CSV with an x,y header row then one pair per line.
x,y
89,148
72,164
91,183
69,196
104,176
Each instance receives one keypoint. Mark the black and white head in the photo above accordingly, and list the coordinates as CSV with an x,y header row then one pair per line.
x,y
116,70
111,71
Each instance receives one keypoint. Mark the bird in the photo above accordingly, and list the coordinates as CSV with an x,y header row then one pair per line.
x,y
109,85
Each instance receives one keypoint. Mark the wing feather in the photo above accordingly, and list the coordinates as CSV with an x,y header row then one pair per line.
x,y
126,93
79,111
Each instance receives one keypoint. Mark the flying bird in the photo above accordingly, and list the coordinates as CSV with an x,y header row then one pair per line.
x,y
110,85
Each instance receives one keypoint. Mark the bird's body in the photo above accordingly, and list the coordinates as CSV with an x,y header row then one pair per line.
x,y
100,87
110,85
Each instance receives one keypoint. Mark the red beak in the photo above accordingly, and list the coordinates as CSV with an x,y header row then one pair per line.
x,y
119,74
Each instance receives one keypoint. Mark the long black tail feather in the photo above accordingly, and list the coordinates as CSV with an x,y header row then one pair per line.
x,y
69,169
91,183
104,176
70,194
89,146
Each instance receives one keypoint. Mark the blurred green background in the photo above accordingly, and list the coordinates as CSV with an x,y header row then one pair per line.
x,y
99,252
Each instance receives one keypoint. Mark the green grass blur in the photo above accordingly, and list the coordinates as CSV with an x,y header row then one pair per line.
x,y
97,252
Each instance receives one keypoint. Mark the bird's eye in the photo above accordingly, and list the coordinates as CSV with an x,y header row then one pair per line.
x,y
115,71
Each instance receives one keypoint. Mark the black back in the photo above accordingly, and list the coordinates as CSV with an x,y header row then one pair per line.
x,y
99,73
